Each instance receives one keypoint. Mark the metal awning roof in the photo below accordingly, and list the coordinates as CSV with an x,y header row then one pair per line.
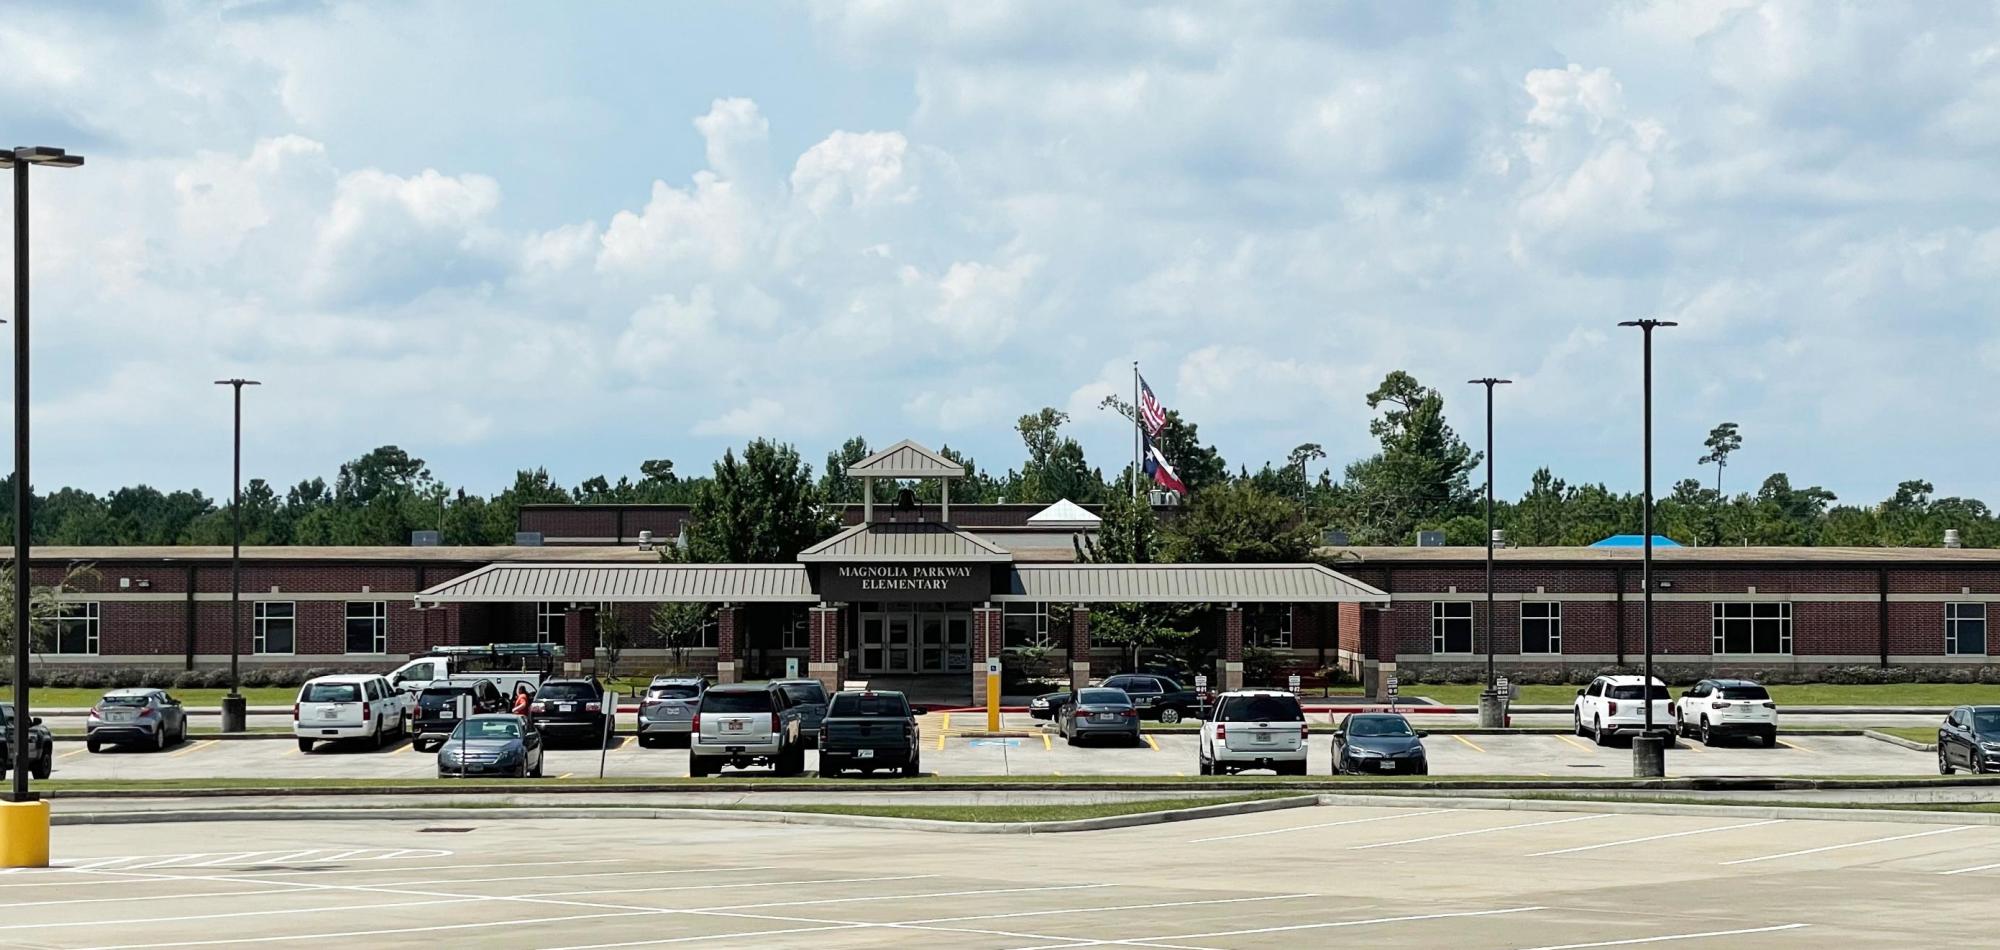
x,y
906,459
926,541
642,583
1186,583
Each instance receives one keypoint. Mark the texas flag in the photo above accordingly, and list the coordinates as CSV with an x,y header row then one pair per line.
x,y
1161,472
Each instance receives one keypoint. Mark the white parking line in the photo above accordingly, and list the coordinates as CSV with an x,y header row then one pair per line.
x,y
1666,937
279,887
1982,867
1851,844
1676,834
1477,831
1324,824
1161,941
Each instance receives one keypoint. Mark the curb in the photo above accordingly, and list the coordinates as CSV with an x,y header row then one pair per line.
x,y
692,814
1615,807
1899,740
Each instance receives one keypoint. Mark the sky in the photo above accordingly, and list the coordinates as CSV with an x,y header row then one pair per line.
x,y
513,235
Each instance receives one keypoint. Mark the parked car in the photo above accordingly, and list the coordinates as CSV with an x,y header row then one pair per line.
x,y
1718,709
805,700
1046,705
1970,739
1613,706
348,706
507,665
142,717
1099,712
1379,744
436,712
743,725
1254,729
667,711
1157,697
41,745
866,730
570,710
500,744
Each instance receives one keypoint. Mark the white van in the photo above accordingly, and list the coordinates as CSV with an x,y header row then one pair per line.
x,y
349,706
505,665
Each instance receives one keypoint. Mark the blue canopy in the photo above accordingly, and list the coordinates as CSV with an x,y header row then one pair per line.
x,y
1636,541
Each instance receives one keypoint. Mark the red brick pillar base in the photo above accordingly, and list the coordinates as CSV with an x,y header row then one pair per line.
x,y
986,644
729,635
1229,667
827,658
1079,648
580,641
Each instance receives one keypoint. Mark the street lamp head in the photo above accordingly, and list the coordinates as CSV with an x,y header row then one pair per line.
x,y
1647,324
39,155
237,382
1489,381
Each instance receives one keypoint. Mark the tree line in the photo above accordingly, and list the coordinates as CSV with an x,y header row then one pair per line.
x,y
1420,477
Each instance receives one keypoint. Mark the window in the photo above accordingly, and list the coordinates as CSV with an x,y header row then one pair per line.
x,y
1268,626
1964,629
276,628
549,619
1451,626
1026,626
76,628
1753,628
331,693
1541,627
798,632
368,626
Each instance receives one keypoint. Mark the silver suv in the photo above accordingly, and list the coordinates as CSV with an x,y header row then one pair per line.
x,y
148,718
667,712
743,725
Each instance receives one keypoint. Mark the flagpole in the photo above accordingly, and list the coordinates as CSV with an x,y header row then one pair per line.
x,y
1138,432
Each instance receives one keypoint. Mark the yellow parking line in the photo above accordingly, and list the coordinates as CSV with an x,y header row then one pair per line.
x,y
1474,745
947,722
73,752
1046,744
940,742
1574,743
562,776
177,753
1798,747
1153,742
1683,743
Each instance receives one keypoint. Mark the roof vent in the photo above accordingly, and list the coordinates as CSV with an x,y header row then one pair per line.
x,y
1499,537
426,539
527,539
1336,538
646,540
1951,538
1430,539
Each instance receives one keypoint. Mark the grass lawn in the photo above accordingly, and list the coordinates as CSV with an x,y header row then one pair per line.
x,y
1894,694
50,698
1923,734
388,785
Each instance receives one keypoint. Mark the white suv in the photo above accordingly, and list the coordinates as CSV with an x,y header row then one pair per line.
x,y
1613,706
349,706
1719,709
1254,729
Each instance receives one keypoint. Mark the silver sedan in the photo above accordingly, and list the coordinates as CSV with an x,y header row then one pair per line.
x,y
1099,712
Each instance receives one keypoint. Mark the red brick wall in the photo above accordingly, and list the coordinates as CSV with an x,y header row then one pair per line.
x,y
1232,634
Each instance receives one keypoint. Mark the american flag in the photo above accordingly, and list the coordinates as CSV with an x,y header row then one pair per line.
x,y
1151,414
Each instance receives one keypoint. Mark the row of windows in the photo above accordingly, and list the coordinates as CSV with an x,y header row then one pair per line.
x,y
1736,628
274,627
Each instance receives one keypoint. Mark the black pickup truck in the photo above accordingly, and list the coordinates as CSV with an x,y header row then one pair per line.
x,y
866,730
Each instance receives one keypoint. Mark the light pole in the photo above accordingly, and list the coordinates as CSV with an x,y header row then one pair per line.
x,y
19,160
1490,714
235,711
1649,751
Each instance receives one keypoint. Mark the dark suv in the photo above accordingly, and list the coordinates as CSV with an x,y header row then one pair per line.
x,y
570,710
41,745
805,700
437,710
1970,739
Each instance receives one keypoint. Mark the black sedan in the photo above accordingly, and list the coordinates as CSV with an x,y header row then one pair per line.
x,y
566,710
1379,744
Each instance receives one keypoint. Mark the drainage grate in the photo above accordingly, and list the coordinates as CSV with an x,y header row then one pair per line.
x,y
1576,766
442,831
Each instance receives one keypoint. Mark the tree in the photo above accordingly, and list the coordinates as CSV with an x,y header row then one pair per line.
x,y
835,485
44,606
1419,476
1238,523
1301,456
1137,628
680,627
764,509
1722,440
612,638
1541,519
1198,465
1055,469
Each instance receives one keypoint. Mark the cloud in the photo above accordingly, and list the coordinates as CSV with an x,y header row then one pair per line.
x,y
757,418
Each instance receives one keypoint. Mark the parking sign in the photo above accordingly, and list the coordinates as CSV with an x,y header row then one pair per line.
x,y
1294,681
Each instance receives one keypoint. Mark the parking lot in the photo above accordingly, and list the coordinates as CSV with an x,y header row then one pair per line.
x,y
1374,876
948,751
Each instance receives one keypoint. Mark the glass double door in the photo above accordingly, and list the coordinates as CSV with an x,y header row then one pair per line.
x,y
916,638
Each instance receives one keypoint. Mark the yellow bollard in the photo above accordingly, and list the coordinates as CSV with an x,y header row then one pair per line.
x,y
24,834
993,694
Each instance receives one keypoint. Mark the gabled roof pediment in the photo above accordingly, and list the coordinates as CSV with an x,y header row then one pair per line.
x,y
906,459
905,541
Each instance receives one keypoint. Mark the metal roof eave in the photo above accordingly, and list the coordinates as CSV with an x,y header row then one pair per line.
x,y
625,583
1186,583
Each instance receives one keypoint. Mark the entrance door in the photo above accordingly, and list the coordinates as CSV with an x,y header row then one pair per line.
x,y
899,653
958,643
873,643
931,657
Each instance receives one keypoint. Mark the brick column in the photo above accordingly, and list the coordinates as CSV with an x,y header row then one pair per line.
x,y
1229,667
580,640
1079,648
986,642
827,659
729,636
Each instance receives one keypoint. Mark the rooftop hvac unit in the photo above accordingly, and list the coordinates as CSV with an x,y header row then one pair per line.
x,y
1161,498
646,540
527,539
1951,538
426,539
1430,539
1336,539
1499,538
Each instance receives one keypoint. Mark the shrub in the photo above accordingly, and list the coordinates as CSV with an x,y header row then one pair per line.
x,y
188,679
159,679
258,678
